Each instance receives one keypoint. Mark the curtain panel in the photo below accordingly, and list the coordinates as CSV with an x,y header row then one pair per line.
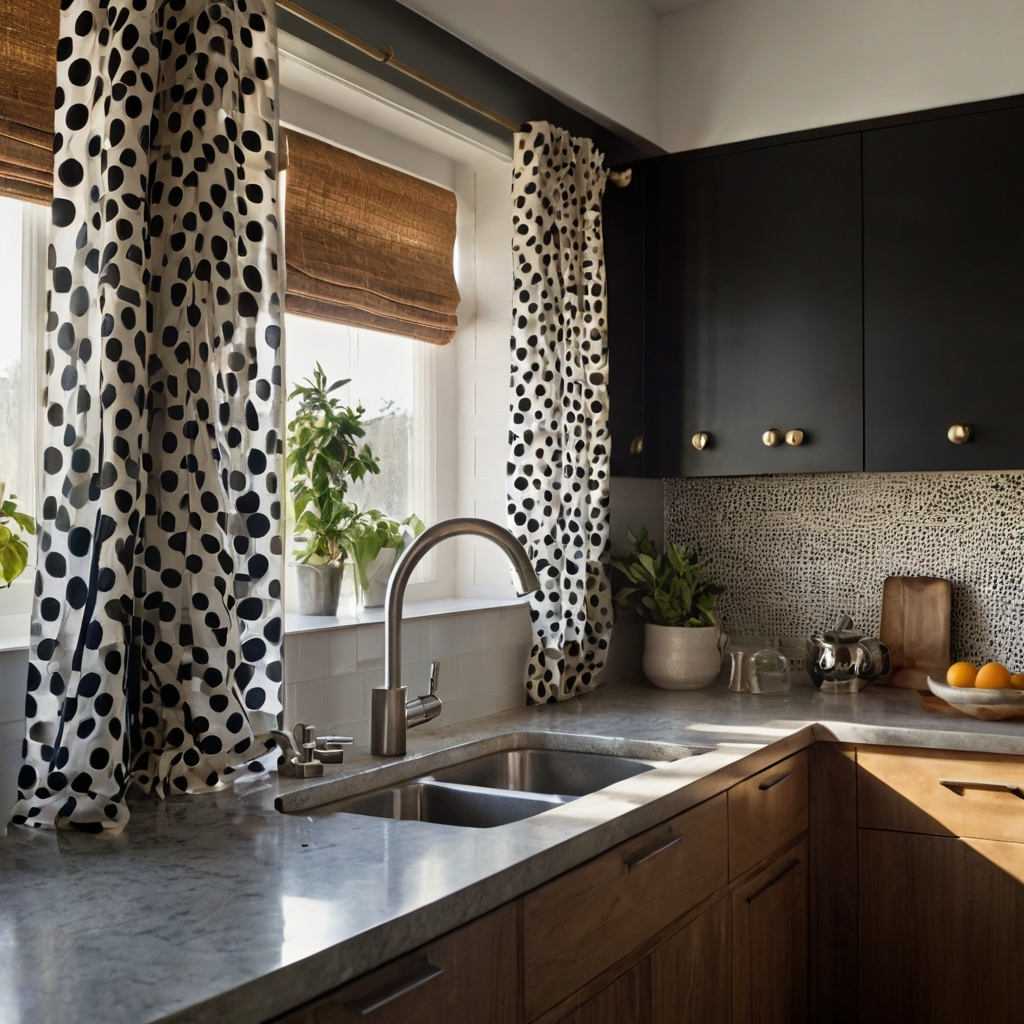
x,y
558,475
28,45
368,245
156,629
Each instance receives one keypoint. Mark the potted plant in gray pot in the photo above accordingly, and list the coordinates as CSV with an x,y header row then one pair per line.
x,y
324,456
682,640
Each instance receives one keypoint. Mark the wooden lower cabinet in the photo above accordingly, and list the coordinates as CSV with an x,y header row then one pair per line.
x,y
469,976
691,973
626,1001
770,943
941,927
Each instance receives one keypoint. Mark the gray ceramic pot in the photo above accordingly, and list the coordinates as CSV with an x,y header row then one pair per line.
x,y
319,588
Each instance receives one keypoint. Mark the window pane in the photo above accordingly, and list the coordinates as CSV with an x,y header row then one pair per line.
x,y
381,371
14,406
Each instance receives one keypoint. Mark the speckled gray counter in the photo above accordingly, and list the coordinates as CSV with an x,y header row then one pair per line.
x,y
220,908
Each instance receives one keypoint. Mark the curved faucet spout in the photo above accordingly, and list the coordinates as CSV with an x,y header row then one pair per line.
x,y
391,713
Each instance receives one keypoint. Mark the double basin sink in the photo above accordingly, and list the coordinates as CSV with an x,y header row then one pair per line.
x,y
501,787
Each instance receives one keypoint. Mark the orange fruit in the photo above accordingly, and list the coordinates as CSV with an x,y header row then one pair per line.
x,y
962,673
1017,681
993,676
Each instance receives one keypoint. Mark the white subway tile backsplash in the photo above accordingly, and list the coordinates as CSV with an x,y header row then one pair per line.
x,y
515,625
470,673
443,637
492,669
344,658
370,649
515,664
469,631
305,700
416,640
344,701
307,656
506,700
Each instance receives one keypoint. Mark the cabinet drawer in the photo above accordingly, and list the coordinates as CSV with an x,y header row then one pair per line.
x,y
766,811
583,922
466,976
941,793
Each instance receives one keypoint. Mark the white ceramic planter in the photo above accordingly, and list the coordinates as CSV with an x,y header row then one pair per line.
x,y
378,572
682,657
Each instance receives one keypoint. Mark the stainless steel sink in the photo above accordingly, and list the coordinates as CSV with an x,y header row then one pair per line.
x,y
447,804
494,789
565,772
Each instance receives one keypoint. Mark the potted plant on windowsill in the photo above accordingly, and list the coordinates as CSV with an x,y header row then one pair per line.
x,y
682,640
324,456
376,550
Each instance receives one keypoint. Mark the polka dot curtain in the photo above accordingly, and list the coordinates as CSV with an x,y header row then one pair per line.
x,y
559,443
156,629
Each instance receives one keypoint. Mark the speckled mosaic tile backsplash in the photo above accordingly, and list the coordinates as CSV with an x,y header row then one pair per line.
x,y
795,551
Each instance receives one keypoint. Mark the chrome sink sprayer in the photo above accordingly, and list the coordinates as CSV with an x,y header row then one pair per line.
x,y
391,713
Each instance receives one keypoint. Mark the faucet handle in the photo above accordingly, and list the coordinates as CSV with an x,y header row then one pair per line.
x,y
435,671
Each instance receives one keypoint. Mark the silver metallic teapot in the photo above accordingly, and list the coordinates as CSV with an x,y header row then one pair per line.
x,y
843,660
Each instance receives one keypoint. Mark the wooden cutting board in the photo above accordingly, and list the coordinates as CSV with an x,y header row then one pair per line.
x,y
916,612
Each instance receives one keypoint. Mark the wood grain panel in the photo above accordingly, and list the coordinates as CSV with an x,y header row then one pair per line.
x,y
901,790
832,844
625,1001
941,920
465,977
578,925
766,811
769,920
691,973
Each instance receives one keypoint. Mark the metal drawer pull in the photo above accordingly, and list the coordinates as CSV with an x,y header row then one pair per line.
x,y
641,857
992,787
769,783
418,974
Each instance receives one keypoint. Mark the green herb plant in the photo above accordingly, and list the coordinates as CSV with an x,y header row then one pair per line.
x,y
380,532
324,455
13,549
669,588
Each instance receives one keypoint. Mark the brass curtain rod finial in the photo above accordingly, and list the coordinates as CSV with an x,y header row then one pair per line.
x,y
620,179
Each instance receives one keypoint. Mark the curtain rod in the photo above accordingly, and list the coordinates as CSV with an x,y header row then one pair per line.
x,y
386,55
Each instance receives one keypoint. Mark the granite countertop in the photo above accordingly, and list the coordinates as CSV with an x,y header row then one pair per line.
x,y
221,908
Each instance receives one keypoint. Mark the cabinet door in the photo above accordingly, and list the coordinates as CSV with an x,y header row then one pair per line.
x,y
623,216
941,927
770,951
691,972
943,300
758,309
626,1001
467,976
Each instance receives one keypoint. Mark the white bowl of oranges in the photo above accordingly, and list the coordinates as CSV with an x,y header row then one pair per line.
x,y
991,692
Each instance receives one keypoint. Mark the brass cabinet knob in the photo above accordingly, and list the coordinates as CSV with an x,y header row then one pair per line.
x,y
794,437
700,441
959,433
772,437
636,446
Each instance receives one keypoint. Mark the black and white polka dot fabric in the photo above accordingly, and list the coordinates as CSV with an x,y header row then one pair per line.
x,y
157,624
559,443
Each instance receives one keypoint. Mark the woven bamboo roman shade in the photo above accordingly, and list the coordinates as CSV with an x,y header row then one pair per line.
x,y
368,245
28,74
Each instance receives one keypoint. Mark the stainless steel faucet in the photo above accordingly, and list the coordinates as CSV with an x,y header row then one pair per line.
x,y
391,713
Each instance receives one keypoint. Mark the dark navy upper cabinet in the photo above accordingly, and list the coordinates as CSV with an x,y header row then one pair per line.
x,y
755,316
944,292
624,267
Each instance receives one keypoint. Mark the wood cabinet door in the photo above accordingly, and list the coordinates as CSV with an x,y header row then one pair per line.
x,y
770,950
468,976
623,217
756,309
943,300
691,975
941,926
627,1000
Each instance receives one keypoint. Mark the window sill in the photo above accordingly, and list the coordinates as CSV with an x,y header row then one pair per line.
x,y
14,629
296,623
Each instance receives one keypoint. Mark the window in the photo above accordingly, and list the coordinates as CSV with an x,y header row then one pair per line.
x,y
392,378
22,299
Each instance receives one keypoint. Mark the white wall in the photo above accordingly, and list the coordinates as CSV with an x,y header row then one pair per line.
x,y
595,55
740,69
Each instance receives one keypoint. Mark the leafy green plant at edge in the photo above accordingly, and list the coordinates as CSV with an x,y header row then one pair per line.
x,y
13,549
668,588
